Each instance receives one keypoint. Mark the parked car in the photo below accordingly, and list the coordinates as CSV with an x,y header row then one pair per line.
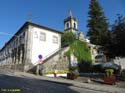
x,y
100,58
102,66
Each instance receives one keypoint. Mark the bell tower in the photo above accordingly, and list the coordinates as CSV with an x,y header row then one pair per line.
x,y
71,23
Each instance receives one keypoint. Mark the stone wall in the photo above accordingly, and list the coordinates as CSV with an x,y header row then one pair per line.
x,y
58,61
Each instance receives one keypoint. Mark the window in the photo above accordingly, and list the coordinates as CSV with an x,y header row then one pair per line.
x,y
42,36
23,34
67,25
35,34
20,39
16,42
55,39
75,25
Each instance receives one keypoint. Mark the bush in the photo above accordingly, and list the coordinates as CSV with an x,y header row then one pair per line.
x,y
72,68
109,72
84,67
67,38
59,71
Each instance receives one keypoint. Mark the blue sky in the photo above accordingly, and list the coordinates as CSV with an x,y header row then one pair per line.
x,y
50,13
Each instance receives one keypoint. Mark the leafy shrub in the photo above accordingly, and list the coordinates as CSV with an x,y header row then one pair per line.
x,y
59,71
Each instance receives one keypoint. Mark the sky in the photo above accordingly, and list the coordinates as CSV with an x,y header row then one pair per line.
x,y
50,13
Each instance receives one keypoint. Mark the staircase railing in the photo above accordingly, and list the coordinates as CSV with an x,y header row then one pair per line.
x,y
50,54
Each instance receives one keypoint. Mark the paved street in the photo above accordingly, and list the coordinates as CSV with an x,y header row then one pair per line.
x,y
30,85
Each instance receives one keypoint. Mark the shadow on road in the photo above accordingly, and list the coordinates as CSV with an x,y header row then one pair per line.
x,y
13,84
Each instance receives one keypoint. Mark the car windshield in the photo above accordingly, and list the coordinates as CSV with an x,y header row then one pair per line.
x,y
99,56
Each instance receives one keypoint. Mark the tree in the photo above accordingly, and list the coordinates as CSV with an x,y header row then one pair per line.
x,y
79,49
97,25
67,38
82,52
117,46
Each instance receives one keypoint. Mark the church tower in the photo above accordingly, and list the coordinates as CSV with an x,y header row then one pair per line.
x,y
71,23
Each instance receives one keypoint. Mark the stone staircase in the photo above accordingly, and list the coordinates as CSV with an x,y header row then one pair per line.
x,y
56,58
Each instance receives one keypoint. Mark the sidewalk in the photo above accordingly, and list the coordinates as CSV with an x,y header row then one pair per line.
x,y
103,88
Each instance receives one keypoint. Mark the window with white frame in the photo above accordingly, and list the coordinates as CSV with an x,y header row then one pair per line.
x,y
75,25
42,36
67,25
35,34
55,39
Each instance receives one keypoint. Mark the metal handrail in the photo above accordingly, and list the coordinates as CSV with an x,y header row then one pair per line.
x,y
48,55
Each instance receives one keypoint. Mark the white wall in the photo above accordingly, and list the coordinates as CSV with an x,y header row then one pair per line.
x,y
120,61
45,48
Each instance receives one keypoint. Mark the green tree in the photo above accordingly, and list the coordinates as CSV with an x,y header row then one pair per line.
x,y
117,46
81,50
67,38
97,25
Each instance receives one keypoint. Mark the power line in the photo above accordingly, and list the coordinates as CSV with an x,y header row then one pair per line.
x,y
7,34
4,33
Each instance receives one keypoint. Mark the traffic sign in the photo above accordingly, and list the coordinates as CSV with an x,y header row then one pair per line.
x,y
40,62
40,56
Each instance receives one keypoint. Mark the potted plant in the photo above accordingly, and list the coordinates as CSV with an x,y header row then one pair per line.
x,y
72,73
109,78
55,73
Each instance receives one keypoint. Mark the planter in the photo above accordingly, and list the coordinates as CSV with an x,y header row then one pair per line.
x,y
110,80
71,76
55,74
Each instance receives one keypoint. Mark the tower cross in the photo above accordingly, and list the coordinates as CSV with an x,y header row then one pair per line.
x,y
30,17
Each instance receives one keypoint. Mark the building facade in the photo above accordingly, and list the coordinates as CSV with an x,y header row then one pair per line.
x,y
34,43
31,40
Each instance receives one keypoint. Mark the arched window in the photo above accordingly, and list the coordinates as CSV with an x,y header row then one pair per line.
x,y
67,25
75,25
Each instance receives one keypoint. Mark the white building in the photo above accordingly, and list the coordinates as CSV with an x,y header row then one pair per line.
x,y
44,42
30,41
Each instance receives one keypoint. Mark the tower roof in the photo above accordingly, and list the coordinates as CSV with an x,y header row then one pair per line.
x,y
70,13
70,16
